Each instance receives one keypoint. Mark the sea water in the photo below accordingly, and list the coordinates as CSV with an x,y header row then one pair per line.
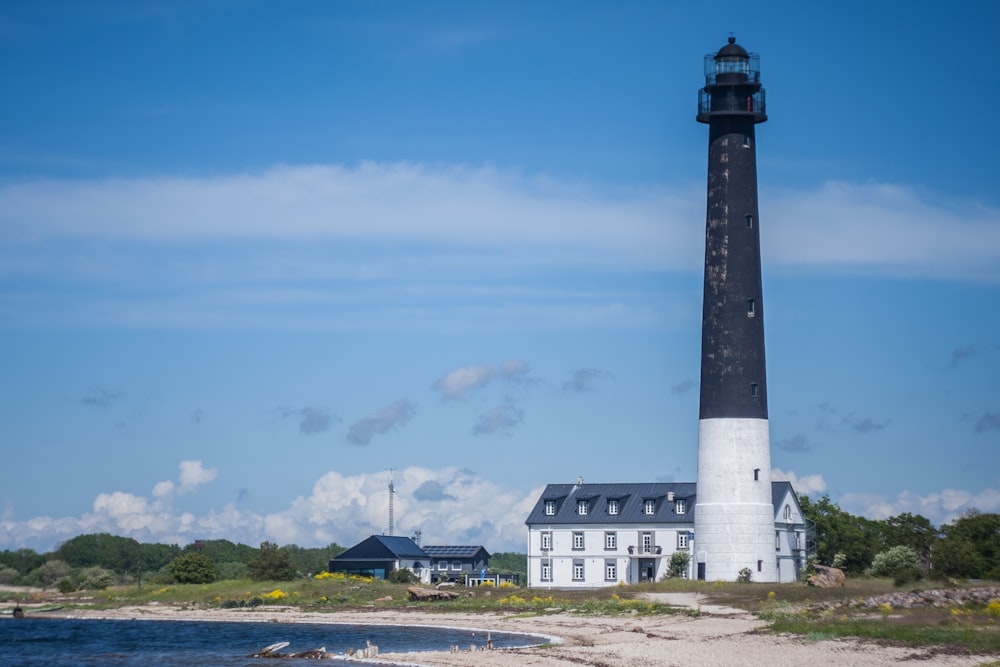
x,y
148,643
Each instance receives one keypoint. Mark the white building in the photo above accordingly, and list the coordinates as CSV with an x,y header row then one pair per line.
x,y
591,535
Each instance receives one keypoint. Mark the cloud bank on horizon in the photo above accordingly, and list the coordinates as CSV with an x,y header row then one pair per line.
x,y
448,505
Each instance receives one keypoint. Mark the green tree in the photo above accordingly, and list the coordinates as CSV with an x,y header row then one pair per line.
x,y
982,531
273,564
95,578
231,571
504,562
192,568
838,531
50,572
313,559
103,550
957,557
22,560
678,565
893,561
910,530
224,551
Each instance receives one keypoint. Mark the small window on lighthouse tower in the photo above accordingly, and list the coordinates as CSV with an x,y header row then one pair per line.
x,y
753,390
751,307
749,220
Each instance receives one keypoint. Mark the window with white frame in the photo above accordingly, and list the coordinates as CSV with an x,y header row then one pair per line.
x,y
550,508
442,565
582,507
546,570
577,540
788,512
578,570
546,541
649,506
613,507
610,540
777,540
610,570
798,540
682,539
680,505
647,543
456,565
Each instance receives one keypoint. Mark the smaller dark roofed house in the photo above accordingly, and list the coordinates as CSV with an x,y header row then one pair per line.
x,y
453,562
380,555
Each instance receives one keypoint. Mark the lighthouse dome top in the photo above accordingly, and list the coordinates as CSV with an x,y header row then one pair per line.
x,y
732,50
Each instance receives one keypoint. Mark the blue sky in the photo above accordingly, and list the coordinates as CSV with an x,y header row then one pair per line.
x,y
253,256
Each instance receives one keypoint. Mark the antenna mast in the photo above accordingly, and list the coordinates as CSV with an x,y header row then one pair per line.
x,y
392,492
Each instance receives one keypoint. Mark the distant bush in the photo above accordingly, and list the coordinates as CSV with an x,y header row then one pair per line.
x,y
95,578
899,559
678,565
231,570
192,568
50,572
8,575
402,576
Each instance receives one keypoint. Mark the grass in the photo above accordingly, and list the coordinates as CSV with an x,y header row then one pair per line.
x,y
791,608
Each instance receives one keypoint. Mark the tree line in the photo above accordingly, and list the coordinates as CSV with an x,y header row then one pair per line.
x,y
100,560
968,547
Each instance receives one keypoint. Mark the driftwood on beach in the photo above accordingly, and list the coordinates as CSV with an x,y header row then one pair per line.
x,y
417,593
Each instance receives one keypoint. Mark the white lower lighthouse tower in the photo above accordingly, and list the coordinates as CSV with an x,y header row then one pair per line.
x,y
734,515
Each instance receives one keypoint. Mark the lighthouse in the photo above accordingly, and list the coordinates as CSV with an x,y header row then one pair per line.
x,y
734,515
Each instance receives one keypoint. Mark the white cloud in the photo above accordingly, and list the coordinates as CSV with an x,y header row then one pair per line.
x,y
194,475
467,509
474,215
880,228
806,485
464,380
939,507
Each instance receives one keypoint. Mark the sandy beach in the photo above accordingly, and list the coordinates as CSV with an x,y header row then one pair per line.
x,y
718,636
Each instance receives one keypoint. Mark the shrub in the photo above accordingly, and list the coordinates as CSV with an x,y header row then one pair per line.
x,y
679,562
231,570
65,585
272,564
8,575
896,560
402,576
193,568
51,572
96,578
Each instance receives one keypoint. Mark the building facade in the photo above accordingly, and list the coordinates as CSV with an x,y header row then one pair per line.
x,y
593,535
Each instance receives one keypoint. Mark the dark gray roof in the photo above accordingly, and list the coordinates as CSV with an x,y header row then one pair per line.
x,y
379,547
631,499
631,503
454,551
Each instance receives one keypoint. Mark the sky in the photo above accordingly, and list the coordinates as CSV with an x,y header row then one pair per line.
x,y
259,259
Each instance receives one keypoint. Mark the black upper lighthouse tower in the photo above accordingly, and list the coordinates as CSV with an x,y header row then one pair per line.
x,y
734,518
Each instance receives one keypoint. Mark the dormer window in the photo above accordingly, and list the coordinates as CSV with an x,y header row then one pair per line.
x,y
582,507
550,508
649,506
680,506
613,507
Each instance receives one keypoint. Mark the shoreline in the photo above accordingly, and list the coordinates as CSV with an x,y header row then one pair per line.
x,y
717,636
